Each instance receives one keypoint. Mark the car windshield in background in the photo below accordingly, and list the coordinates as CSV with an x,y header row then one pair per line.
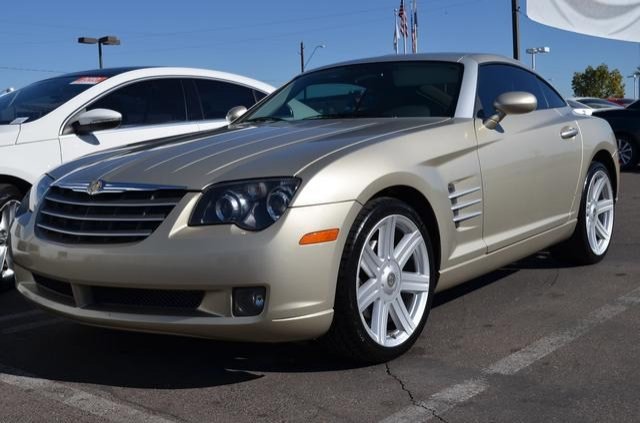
x,y
384,89
40,98
597,103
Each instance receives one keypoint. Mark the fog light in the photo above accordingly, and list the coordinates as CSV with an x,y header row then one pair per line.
x,y
248,301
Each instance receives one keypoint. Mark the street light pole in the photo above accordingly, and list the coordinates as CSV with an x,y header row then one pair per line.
x,y
536,50
304,64
313,52
107,40
635,77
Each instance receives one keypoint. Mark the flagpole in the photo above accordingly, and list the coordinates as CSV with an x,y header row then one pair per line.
x,y
415,21
395,30
413,43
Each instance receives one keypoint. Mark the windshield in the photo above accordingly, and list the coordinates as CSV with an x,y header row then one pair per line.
x,y
576,105
38,99
387,89
597,103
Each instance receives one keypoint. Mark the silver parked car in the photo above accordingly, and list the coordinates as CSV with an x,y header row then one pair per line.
x,y
333,209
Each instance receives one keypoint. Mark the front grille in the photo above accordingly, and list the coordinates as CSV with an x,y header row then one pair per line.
x,y
146,298
59,287
117,215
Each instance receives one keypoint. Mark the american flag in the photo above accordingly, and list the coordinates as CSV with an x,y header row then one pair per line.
x,y
402,14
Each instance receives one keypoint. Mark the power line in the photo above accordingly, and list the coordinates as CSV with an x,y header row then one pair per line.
x,y
252,39
31,69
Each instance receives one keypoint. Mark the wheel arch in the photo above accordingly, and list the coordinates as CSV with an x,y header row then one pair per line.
x,y
422,206
19,183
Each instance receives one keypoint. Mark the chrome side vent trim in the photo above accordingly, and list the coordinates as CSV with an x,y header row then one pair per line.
x,y
454,195
461,201
463,217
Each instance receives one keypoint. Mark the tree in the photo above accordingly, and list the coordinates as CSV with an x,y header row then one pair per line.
x,y
598,82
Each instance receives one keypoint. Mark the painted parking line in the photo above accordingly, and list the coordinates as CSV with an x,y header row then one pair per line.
x,y
117,412
29,326
22,315
443,401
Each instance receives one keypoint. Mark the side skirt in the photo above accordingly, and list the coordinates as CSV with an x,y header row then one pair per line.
x,y
484,264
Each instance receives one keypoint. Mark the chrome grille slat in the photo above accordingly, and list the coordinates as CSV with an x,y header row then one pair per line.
x,y
99,218
118,214
58,199
144,233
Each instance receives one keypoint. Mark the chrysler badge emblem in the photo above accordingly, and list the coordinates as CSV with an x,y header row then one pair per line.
x,y
95,187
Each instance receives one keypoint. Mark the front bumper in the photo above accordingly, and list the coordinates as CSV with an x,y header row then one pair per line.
x,y
300,280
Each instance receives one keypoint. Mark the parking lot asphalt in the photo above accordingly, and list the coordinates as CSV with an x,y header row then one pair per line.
x,y
534,341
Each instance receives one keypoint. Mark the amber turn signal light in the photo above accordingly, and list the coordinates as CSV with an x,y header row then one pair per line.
x,y
327,235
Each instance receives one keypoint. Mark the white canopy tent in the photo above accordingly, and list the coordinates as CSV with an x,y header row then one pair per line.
x,y
616,19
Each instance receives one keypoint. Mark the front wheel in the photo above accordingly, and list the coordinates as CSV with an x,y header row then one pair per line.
x,y
385,283
592,236
9,203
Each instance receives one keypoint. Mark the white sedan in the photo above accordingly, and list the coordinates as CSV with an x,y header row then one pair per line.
x,y
56,120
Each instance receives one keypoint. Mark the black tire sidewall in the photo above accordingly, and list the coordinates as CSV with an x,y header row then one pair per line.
x,y
9,192
635,153
348,311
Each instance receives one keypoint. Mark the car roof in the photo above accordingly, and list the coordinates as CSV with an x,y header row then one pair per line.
x,y
134,72
109,72
441,57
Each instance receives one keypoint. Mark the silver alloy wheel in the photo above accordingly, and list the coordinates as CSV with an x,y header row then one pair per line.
x,y
599,212
625,151
393,280
7,214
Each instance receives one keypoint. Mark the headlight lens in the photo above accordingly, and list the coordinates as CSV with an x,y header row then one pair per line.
x,y
252,205
38,190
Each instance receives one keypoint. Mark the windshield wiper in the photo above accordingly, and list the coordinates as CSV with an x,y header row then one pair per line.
x,y
265,119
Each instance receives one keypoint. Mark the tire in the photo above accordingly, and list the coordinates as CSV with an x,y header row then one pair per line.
x,y
8,193
582,248
628,152
400,294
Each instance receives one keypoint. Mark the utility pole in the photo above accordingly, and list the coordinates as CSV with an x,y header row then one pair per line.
x,y
515,24
301,57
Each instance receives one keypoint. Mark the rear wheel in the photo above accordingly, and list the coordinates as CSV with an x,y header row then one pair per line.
x,y
385,284
9,203
628,153
592,236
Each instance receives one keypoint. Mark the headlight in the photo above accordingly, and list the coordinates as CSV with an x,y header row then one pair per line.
x,y
252,205
38,190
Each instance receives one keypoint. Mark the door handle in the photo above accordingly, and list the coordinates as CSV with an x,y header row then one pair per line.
x,y
568,132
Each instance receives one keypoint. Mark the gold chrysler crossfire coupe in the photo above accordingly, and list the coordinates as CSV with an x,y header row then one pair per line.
x,y
333,209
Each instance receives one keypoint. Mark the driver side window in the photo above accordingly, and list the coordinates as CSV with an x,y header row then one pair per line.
x,y
148,102
496,79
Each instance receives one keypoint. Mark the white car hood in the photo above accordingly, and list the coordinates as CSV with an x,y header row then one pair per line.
x,y
9,134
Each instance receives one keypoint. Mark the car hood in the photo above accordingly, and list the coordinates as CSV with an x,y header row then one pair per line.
x,y
236,152
9,134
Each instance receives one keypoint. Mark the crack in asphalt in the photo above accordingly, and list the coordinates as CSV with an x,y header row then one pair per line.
x,y
554,278
410,394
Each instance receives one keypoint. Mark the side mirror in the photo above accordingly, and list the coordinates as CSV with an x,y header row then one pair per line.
x,y
235,113
511,103
96,120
